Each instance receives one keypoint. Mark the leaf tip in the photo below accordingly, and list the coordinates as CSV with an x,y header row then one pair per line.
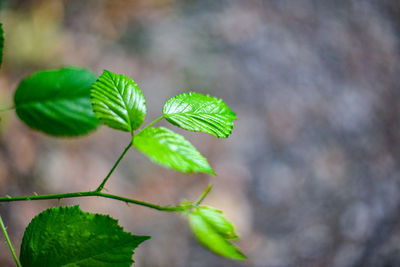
x,y
240,256
106,71
212,172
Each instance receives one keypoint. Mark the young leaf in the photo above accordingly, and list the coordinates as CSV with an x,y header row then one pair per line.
x,y
171,150
118,102
57,102
215,217
67,236
213,235
200,113
1,43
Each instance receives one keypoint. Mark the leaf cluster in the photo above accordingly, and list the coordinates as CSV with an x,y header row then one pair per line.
x,y
214,231
70,102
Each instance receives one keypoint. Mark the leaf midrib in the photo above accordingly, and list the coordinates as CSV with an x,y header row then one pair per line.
x,y
123,100
54,99
193,113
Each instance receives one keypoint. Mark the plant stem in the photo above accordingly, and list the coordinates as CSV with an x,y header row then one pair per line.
x,y
152,123
203,196
141,203
101,186
91,194
9,242
7,108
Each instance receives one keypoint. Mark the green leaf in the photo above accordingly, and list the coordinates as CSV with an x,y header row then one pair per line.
x,y
215,218
57,102
1,43
118,102
171,150
200,113
208,232
67,236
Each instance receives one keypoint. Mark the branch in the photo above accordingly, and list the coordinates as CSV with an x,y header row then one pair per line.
x,y
203,195
101,186
92,194
9,242
152,123
7,108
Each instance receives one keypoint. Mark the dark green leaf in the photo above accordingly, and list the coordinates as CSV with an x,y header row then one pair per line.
x,y
171,150
57,102
1,43
67,236
118,102
209,235
200,113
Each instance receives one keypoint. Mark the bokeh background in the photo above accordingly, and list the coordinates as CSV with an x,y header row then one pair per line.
x,y
310,175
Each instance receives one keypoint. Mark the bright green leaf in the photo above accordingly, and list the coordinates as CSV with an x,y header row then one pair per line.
x,y
118,102
215,218
67,236
209,235
200,113
57,102
1,43
171,150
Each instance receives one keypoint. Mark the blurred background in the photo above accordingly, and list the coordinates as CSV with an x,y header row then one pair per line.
x,y
310,175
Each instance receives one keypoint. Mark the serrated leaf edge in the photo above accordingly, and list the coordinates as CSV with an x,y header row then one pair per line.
x,y
169,117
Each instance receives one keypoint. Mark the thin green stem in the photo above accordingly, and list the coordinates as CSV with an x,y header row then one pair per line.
x,y
91,194
142,203
7,108
203,195
152,123
101,186
9,242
